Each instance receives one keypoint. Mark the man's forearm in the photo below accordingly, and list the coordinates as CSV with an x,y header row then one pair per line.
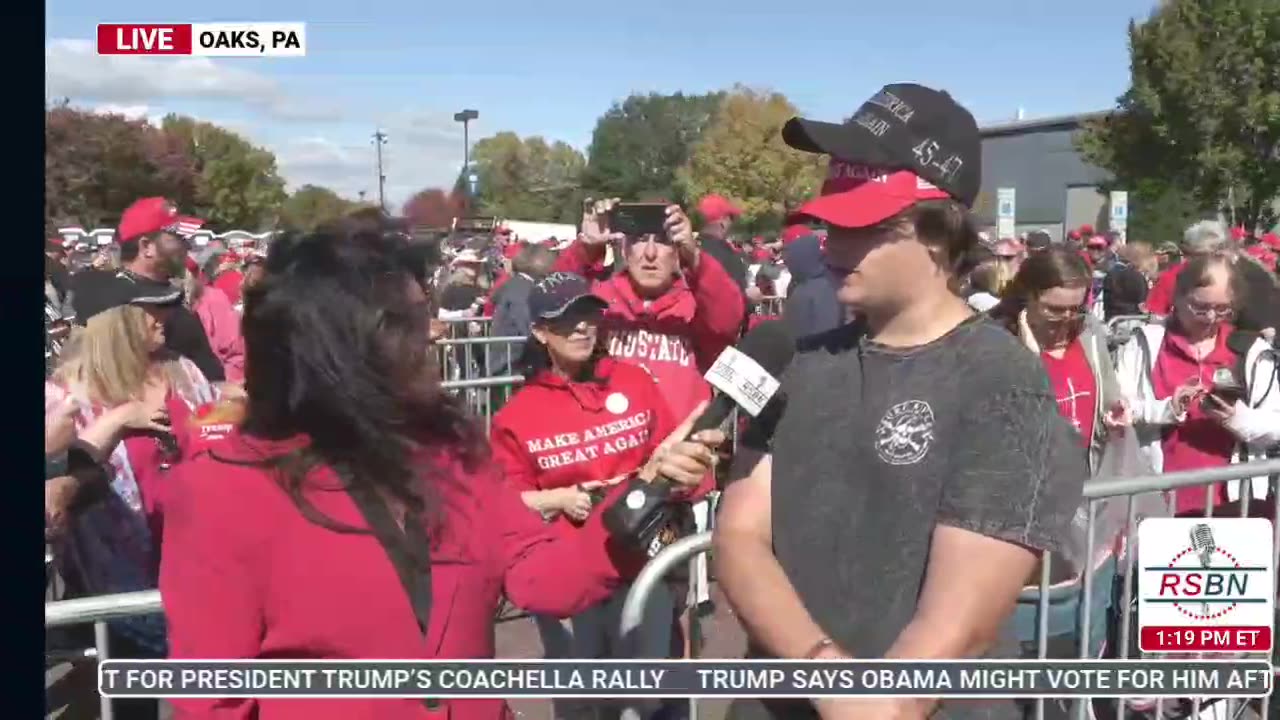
x,y
763,597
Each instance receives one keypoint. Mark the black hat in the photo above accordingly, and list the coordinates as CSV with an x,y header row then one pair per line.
x,y
556,293
1038,240
122,289
904,127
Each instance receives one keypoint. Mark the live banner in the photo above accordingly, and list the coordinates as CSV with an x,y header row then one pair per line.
x,y
683,678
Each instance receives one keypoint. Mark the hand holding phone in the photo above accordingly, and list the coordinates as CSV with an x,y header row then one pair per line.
x,y
637,219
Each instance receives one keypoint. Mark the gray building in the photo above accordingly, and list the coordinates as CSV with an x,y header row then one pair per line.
x,y
1056,190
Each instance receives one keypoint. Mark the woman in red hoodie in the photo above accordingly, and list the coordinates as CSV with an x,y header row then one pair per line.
x,y
581,424
354,512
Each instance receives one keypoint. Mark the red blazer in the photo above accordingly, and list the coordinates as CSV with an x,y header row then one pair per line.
x,y
244,575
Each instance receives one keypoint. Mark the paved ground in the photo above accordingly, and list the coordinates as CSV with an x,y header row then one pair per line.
x,y
72,693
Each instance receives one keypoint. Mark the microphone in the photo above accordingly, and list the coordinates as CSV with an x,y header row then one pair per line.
x,y
746,377
1202,542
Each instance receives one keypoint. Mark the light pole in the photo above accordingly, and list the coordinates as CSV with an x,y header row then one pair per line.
x,y
465,117
380,139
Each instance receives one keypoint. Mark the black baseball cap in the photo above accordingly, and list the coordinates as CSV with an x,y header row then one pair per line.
x,y
560,292
907,143
121,289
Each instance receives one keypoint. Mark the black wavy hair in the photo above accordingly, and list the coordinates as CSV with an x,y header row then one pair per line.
x,y
336,348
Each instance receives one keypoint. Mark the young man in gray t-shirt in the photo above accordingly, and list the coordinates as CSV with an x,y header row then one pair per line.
x,y
892,502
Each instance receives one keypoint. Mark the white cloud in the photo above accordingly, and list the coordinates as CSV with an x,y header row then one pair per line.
x,y
133,112
74,69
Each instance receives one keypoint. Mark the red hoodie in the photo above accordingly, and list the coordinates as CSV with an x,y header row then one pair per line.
x,y
676,337
554,433
229,283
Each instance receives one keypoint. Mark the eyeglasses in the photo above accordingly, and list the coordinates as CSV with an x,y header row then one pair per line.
x,y
1208,311
1059,312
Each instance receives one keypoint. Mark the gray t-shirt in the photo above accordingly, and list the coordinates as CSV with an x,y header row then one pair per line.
x,y
874,446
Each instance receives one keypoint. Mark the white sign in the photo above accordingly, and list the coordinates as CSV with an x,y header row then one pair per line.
x,y
741,378
1119,210
1206,585
1006,213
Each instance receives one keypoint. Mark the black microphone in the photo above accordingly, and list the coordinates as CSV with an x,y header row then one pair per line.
x,y
746,377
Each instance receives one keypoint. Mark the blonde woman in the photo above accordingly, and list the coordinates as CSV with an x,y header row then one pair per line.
x,y
116,372
987,282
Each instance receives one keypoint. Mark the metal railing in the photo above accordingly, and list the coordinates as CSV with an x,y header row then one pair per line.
x,y
468,365
1035,601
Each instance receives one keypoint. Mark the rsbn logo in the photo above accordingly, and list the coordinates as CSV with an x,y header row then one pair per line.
x,y
1204,580
1206,584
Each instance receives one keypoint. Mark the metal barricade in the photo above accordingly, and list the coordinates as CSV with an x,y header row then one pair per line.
x,y
98,610
1122,327
469,364
770,306
1095,491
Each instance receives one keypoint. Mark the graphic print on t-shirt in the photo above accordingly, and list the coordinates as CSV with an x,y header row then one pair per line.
x,y
905,433
1069,404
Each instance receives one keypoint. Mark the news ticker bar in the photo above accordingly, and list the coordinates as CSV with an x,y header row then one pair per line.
x,y
682,678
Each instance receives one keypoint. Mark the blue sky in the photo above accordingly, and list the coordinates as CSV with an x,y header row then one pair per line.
x,y
552,68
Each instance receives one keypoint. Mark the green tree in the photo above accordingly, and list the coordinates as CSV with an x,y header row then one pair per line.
x,y
742,156
640,144
311,205
96,165
527,179
1202,115
237,184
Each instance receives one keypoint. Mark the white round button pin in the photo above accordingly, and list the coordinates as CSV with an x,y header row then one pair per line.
x,y
635,499
617,403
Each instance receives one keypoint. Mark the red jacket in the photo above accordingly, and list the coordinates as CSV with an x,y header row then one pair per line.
x,y
676,337
554,433
244,575
1160,299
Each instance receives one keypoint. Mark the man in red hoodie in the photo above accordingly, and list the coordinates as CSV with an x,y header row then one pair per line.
x,y
670,311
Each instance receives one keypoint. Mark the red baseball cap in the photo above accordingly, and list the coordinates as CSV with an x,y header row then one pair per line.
x,y
1097,241
153,214
715,207
792,233
1271,240
856,196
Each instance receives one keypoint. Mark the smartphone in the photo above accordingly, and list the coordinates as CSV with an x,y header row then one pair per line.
x,y
1226,388
634,219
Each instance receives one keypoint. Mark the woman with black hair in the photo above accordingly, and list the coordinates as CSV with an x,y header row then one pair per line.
x,y
1046,306
581,424
354,511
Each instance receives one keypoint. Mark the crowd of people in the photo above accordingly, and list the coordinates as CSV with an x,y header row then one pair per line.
x,y
262,432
